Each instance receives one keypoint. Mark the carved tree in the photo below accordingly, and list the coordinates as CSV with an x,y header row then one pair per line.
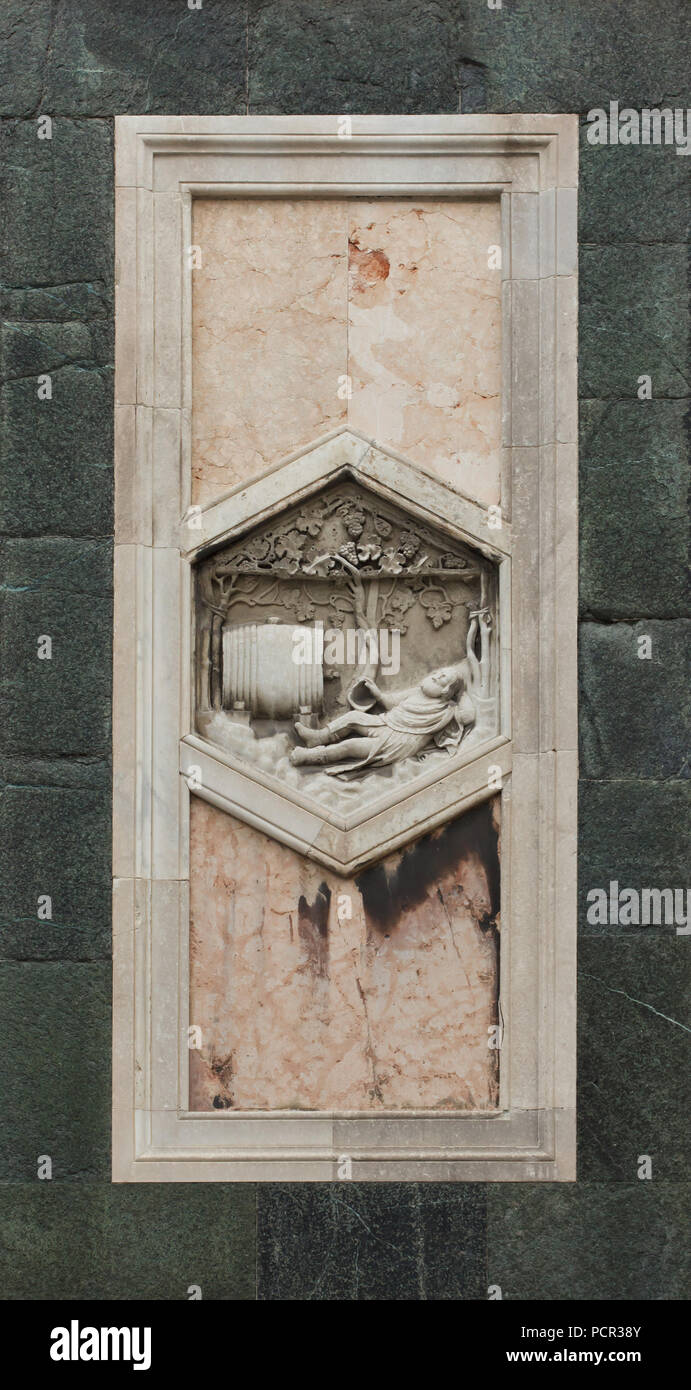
x,y
377,568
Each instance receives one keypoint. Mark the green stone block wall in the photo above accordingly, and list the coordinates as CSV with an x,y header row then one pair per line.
x,y
611,1235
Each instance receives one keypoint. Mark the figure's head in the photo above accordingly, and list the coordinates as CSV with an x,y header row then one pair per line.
x,y
444,683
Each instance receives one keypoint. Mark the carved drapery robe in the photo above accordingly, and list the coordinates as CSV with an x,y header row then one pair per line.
x,y
404,730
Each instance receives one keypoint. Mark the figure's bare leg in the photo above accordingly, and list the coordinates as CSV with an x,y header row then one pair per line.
x,y
355,719
344,750
352,719
312,737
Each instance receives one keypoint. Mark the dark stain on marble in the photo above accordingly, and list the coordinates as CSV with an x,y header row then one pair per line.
x,y
389,892
313,928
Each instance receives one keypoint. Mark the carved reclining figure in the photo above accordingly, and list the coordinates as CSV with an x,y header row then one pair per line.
x,y
438,710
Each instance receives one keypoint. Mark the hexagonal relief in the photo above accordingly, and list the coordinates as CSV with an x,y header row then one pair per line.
x,y
345,649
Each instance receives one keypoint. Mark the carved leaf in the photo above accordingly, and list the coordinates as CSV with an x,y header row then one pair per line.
x,y
369,551
309,523
391,562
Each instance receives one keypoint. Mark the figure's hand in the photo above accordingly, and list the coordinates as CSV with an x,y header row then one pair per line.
x,y
364,693
482,616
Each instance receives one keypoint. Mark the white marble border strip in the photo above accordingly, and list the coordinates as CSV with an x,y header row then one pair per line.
x,y
530,162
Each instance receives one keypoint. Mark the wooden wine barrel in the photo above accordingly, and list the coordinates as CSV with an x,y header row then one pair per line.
x,y
261,675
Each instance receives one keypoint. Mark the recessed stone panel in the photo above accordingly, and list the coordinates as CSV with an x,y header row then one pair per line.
x,y
313,313
318,992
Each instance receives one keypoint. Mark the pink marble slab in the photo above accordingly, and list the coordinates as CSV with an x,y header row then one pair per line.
x,y
308,997
309,314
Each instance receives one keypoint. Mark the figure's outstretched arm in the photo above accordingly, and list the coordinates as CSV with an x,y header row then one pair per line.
x,y
480,621
470,653
485,646
366,687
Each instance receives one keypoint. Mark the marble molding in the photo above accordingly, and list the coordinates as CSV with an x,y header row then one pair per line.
x,y
457,415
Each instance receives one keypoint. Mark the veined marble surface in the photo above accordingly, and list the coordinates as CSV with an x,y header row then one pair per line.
x,y
383,315
309,314
317,992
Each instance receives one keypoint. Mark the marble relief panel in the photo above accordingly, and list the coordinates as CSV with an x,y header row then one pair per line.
x,y
318,992
310,314
344,648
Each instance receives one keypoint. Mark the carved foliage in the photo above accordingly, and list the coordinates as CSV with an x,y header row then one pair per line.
x,y
374,565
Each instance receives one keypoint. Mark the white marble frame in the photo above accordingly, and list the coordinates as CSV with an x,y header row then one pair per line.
x,y
530,162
